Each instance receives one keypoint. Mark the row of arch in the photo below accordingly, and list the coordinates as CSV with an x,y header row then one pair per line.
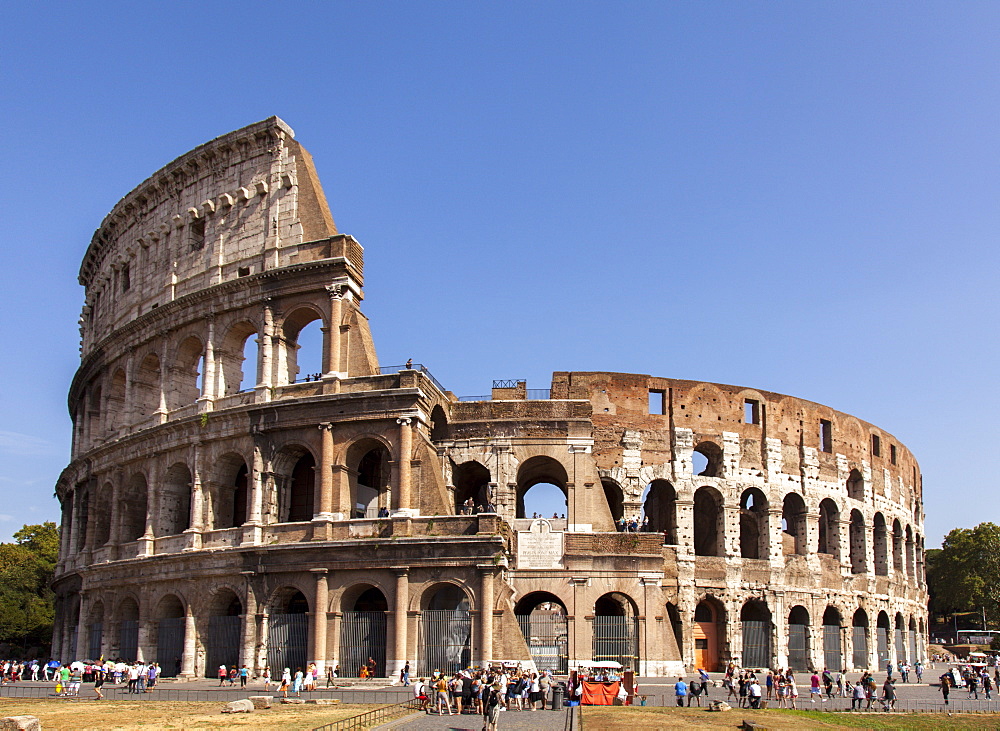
x,y
166,379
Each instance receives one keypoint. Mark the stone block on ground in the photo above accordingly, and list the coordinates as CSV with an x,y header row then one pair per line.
x,y
719,706
293,700
20,723
324,701
240,706
261,701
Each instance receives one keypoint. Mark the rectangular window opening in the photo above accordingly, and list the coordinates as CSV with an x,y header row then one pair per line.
x,y
657,402
751,411
892,453
825,435
876,446
197,234
126,279
243,272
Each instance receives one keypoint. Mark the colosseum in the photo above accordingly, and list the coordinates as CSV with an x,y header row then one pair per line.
x,y
227,503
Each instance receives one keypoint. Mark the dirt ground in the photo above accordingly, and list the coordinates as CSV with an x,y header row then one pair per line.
x,y
83,715
634,719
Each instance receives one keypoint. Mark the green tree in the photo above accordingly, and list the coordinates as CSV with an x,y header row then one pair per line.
x,y
26,600
964,575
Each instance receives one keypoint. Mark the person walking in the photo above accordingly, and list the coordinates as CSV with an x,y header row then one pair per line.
x,y
404,674
99,682
946,689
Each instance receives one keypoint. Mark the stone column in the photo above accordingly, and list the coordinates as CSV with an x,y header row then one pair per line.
x,y
332,365
325,506
684,526
253,529
487,601
248,640
399,616
190,643
115,529
265,365
405,454
82,648
207,398
146,543
196,520
73,511
776,550
166,369
128,407
812,533
319,628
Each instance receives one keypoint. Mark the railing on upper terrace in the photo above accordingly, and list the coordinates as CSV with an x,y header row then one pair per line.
x,y
386,370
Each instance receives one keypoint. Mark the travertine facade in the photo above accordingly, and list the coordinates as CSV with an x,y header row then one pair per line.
x,y
221,512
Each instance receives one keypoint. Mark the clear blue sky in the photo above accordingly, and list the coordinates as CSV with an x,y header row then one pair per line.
x,y
800,197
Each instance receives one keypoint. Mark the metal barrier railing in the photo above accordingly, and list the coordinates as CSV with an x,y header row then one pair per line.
x,y
387,370
842,705
370,718
161,693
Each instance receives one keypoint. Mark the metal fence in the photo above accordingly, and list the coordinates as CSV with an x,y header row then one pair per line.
x,y
166,692
287,642
617,639
128,639
170,645
223,646
370,718
547,637
900,647
882,635
833,657
446,639
756,644
841,705
860,642
362,636
95,633
798,648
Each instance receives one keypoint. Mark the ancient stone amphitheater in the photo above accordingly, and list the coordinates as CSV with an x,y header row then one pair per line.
x,y
228,504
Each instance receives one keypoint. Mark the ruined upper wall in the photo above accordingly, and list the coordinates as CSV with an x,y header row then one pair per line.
x,y
238,205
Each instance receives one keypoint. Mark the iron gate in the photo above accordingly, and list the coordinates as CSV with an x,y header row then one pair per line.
x,y
446,639
547,637
225,635
900,647
756,644
882,633
798,647
362,636
860,641
128,640
170,645
833,658
95,634
287,642
913,646
73,649
617,638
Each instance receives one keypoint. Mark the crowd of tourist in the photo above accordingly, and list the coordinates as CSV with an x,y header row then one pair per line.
x,y
483,692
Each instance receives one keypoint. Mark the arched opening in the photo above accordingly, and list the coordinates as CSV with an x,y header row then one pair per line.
x,y
881,541
616,630
237,369
833,652
186,373
363,630
708,526
882,629
301,489
615,498
439,424
910,553
897,546
543,620
859,639
102,515
706,460
793,525
288,631
117,418
829,528
900,639
146,389
373,492
708,619
855,486
756,620
446,630
230,492
128,630
754,534
225,632
95,631
541,487
858,547
303,346
175,500
94,412
798,639
659,504
472,482
170,635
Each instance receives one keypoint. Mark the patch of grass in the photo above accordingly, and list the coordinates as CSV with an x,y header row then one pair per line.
x,y
604,718
108,715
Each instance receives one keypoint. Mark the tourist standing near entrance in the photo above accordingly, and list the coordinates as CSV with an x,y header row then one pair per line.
x,y
680,691
404,674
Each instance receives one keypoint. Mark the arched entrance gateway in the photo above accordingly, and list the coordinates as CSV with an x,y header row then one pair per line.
x,y
170,636
707,619
616,630
833,656
859,639
362,630
798,639
287,631
445,630
756,620
225,629
882,638
543,620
